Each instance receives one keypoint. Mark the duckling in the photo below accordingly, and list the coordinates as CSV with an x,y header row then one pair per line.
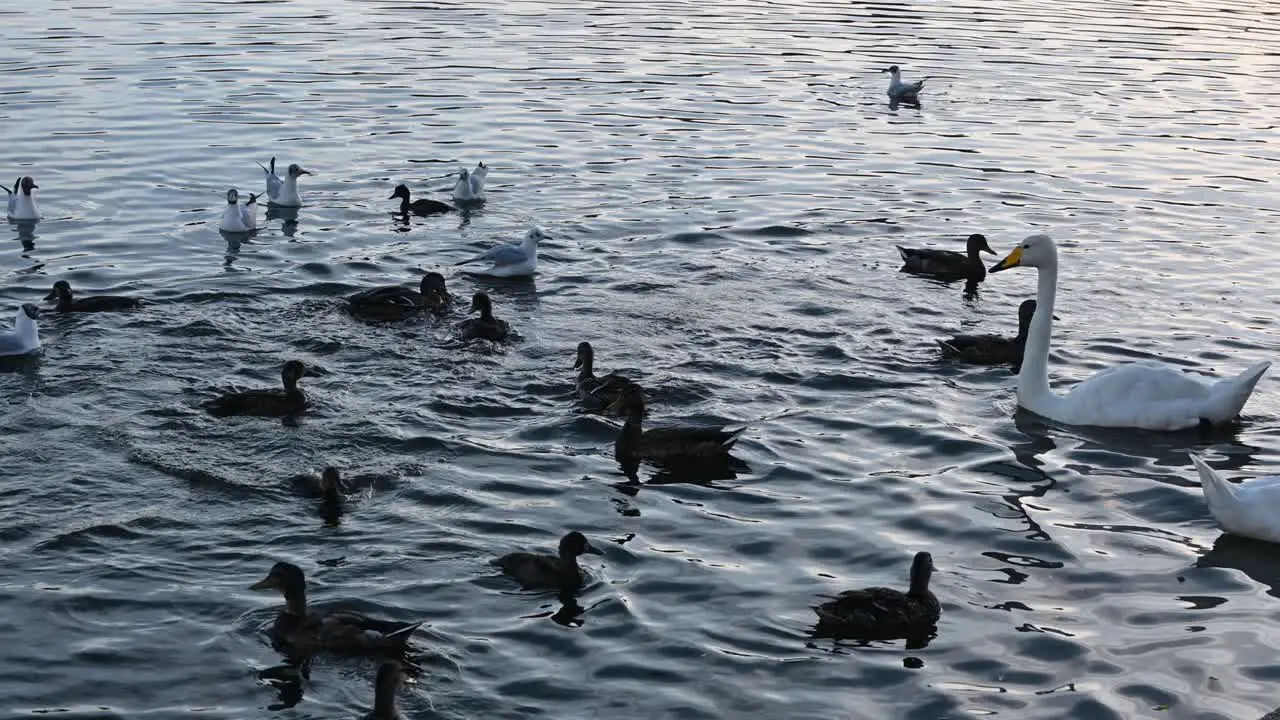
x,y
340,632
67,303
419,206
283,193
22,204
667,444
550,572
390,676
883,613
470,185
606,388
947,264
393,302
24,339
992,349
485,327
265,403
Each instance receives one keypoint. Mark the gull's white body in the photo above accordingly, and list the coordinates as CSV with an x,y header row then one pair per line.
x,y
1145,395
512,260
24,339
899,90
281,192
22,204
1249,510
232,216
470,185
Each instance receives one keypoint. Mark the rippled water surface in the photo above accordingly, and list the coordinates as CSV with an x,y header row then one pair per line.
x,y
725,185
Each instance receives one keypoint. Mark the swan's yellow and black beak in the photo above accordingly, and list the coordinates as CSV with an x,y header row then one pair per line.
x,y
1013,259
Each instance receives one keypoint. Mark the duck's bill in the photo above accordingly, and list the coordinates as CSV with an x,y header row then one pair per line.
x,y
577,363
53,295
263,584
393,197
1013,259
592,550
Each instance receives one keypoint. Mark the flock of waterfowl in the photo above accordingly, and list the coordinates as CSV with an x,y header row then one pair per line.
x,y
1144,395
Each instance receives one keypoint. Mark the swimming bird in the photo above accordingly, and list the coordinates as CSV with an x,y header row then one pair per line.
x,y
1249,510
879,613
485,327
394,302
667,444
470,184
67,303
385,686
303,631
22,204
991,349
550,572
265,403
948,264
249,213
419,206
512,260
900,91
233,215
1146,395
283,193
606,388
24,339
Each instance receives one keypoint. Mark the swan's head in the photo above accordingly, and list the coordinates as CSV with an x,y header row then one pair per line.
x,y
27,184
296,170
233,197
1036,251
977,243
61,289
432,283
585,354
401,191
29,310
536,235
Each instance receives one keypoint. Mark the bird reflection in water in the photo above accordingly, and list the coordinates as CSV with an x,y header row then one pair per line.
x,y
289,216
286,679
26,233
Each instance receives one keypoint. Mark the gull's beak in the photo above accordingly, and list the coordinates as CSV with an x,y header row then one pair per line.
x,y
35,186
304,171
1013,259
265,583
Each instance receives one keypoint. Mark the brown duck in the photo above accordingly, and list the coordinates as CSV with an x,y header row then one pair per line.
x,y
879,613
667,444
265,403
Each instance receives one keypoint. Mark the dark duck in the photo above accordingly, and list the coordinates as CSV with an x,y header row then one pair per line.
x,y
385,686
672,444
948,264
419,206
301,631
395,302
68,303
290,400
606,389
550,572
485,327
992,349
879,613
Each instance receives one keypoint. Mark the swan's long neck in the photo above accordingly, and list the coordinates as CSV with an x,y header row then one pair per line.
x,y
1033,379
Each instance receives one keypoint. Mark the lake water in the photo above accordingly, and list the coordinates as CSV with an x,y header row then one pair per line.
x,y
725,185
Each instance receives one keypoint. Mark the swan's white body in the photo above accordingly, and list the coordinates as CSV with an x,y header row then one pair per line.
x,y
22,202
24,339
1145,395
1249,510
899,90
470,185
512,260
232,215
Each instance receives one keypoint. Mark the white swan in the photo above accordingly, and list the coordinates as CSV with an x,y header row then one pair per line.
x,y
470,185
1249,510
900,91
24,339
512,260
283,193
22,204
232,217
1146,395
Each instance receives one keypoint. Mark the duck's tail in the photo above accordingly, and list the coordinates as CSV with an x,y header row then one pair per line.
x,y
1218,493
904,252
400,636
948,349
733,437
1228,396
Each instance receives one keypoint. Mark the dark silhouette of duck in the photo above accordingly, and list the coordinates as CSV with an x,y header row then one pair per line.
x,y
485,327
879,613
395,302
605,389
672,444
948,264
992,349
265,403
385,686
550,572
419,206
67,303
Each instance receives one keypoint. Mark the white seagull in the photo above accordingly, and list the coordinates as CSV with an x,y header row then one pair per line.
x,y
470,185
512,260
25,337
283,193
232,215
22,204
900,91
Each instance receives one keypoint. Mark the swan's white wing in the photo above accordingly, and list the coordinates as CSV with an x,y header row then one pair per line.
x,y
1142,394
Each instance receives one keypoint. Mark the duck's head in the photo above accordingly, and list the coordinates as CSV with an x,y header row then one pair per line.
x,y
433,283
61,289
390,676
575,544
27,184
536,235
1036,251
1026,311
401,191
285,578
330,482
977,243
30,310
921,570
631,403
233,197
585,355
296,170
481,303
292,372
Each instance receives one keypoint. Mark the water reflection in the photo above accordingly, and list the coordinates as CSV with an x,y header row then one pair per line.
x,y
26,233
1258,559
